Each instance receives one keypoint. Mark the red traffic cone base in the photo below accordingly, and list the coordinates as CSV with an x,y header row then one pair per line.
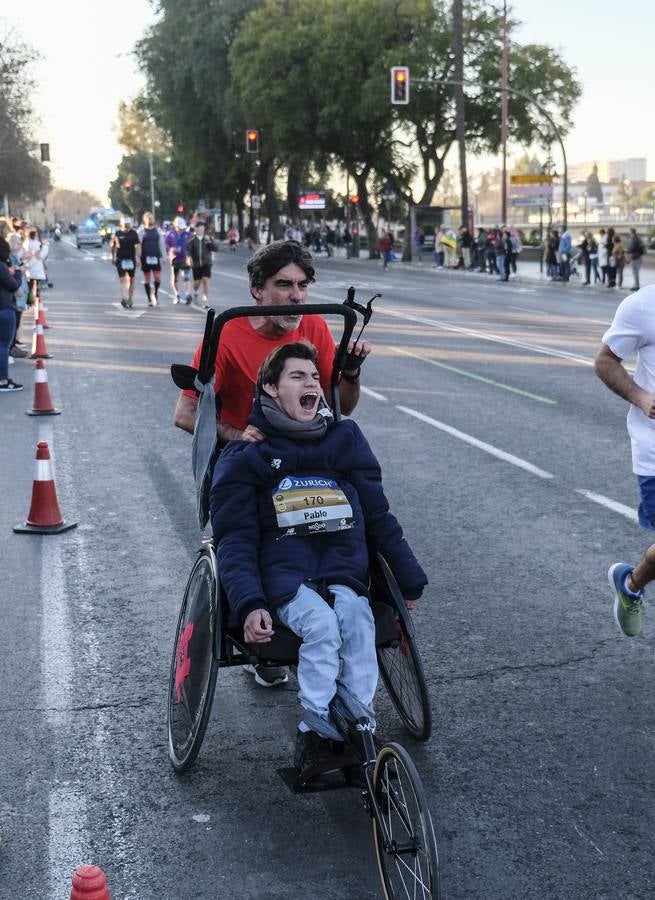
x,y
44,516
89,883
43,405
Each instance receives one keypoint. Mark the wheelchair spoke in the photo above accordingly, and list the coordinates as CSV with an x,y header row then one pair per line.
x,y
404,838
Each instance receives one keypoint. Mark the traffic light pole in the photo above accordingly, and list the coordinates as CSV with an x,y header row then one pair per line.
x,y
460,115
529,99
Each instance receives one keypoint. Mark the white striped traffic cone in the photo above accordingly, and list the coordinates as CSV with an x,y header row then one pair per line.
x,y
43,405
39,349
44,516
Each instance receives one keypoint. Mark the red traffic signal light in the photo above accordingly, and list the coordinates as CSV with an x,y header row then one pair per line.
x,y
252,140
354,198
180,208
399,84
127,184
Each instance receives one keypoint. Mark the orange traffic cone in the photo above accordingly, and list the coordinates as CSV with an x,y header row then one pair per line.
x,y
44,516
40,315
39,349
43,405
89,883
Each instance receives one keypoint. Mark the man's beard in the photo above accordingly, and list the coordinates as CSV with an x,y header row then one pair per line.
x,y
287,323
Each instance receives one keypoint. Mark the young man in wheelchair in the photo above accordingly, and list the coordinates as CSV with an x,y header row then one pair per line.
x,y
291,516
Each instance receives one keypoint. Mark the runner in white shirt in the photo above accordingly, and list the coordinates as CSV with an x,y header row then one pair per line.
x,y
633,331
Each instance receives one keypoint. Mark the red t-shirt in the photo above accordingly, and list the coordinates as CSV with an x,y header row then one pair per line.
x,y
242,350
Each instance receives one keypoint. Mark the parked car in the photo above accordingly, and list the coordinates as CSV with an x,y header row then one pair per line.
x,y
88,236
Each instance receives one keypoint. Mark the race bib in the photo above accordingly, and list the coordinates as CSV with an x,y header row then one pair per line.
x,y
311,504
127,264
152,260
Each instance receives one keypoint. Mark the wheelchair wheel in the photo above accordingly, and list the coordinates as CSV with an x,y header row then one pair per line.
x,y
400,665
193,667
405,845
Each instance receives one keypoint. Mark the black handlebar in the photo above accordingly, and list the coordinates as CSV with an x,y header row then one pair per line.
x,y
206,369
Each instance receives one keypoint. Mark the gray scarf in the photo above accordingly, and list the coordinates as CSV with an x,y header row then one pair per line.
x,y
289,427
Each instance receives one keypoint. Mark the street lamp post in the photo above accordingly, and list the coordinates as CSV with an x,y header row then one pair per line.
x,y
152,183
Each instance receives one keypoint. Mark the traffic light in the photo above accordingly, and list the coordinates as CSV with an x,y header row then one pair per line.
x,y
45,152
252,140
354,199
180,207
399,85
127,184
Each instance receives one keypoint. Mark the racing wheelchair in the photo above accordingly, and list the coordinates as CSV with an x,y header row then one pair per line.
x,y
207,640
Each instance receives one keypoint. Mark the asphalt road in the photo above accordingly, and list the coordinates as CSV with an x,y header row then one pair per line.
x,y
508,464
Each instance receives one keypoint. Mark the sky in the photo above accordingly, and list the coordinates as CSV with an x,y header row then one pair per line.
x,y
87,69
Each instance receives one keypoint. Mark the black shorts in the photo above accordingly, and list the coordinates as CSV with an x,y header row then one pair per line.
x,y
123,272
178,267
150,267
201,272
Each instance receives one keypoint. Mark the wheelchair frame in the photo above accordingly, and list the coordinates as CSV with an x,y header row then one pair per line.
x,y
392,792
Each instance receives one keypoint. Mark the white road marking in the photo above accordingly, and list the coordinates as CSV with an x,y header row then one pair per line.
x,y
485,336
608,503
373,394
481,445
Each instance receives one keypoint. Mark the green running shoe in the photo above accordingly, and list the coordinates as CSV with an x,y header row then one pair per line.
x,y
627,607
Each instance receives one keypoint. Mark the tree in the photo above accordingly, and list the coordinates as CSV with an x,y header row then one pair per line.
x,y
426,127
184,56
22,176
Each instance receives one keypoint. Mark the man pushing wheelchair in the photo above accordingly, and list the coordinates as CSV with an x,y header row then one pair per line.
x,y
291,516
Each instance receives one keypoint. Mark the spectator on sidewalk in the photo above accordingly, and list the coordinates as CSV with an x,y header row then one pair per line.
x,y
347,241
517,247
466,244
611,262
508,250
439,251
618,252
490,252
10,282
550,255
480,250
385,245
565,249
592,245
499,249
603,254
636,249
21,296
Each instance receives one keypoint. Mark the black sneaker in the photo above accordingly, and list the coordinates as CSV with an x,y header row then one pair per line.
x,y
10,387
124,304
315,761
17,352
268,676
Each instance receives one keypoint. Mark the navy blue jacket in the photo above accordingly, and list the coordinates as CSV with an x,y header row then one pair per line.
x,y
9,284
262,565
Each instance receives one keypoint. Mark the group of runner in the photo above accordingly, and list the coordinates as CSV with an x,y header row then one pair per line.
x,y
188,250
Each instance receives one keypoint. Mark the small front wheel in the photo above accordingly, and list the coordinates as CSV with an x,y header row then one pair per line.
x,y
193,668
405,845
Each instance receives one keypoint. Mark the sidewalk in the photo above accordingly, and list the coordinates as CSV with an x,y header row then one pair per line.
x,y
526,272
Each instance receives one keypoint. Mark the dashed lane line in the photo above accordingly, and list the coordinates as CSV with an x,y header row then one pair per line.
x,y
373,394
600,499
481,445
476,377
608,503
487,336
